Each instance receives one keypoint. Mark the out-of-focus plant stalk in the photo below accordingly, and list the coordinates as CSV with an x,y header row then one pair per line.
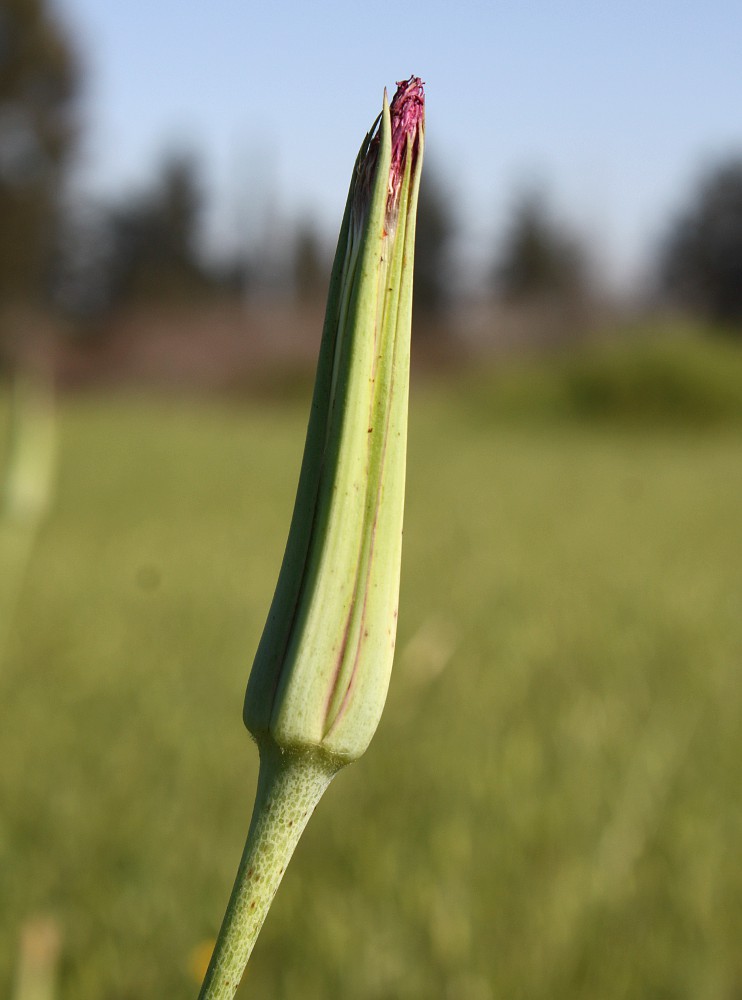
x,y
321,672
36,977
26,484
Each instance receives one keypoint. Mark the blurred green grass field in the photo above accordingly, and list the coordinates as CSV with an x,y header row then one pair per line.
x,y
551,806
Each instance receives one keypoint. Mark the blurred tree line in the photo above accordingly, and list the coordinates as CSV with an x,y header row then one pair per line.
x,y
38,83
86,261
140,250
701,259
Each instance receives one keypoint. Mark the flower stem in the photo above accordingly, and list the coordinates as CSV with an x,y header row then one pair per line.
x,y
289,787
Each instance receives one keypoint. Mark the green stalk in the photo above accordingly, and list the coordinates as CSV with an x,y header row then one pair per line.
x,y
289,787
25,486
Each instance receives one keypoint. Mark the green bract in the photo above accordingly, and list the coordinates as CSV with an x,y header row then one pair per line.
x,y
321,672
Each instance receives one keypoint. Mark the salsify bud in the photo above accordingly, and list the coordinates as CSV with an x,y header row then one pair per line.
x,y
321,672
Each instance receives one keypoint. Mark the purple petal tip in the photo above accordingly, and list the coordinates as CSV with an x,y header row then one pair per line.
x,y
407,112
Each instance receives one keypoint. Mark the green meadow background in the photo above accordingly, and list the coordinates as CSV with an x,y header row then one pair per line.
x,y
551,806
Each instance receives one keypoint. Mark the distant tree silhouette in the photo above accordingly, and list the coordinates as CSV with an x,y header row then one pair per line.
x,y
701,260
432,285
152,239
38,83
311,265
538,259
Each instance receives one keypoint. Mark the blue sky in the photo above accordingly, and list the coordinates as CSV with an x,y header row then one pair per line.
x,y
614,106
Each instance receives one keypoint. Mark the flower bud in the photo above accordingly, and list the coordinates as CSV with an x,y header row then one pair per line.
x,y
321,672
